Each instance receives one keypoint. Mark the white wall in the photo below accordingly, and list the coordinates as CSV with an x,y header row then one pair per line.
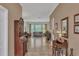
x,y
3,32
36,19
26,26
68,10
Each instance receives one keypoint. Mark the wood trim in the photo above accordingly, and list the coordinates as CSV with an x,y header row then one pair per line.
x,y
19,45
15,37
74,18
74,29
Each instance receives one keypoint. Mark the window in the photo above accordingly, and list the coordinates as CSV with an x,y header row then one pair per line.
x,y
38,28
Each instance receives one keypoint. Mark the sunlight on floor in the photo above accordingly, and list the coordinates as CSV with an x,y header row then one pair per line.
x,y
38,47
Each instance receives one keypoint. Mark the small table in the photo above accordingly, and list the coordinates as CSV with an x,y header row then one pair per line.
x,y
60,47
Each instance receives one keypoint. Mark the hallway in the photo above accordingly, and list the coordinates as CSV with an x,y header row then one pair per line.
x,y
37,22
37,46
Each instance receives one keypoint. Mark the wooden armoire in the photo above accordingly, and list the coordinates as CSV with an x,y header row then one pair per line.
x,y
18,33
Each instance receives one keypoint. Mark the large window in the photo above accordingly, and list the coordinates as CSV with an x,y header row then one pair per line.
x,y
32,28
38,28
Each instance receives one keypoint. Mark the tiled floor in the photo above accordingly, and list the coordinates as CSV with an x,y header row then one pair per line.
x,y
38,47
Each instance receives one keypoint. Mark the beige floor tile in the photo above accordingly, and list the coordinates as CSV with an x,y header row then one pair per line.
x,y
38,47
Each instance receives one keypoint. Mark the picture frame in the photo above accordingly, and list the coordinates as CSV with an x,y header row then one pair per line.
x,y
76,18
76,29
64,27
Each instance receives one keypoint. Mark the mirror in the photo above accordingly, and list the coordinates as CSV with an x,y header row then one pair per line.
x,y
64,27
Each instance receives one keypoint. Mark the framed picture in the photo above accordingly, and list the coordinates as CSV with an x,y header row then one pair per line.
x,y
64,27
76,18
76,29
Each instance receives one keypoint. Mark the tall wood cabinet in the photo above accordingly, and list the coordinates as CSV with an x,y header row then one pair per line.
x,y
19,42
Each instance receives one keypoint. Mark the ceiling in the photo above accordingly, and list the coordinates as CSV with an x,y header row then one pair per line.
x,y
37,10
